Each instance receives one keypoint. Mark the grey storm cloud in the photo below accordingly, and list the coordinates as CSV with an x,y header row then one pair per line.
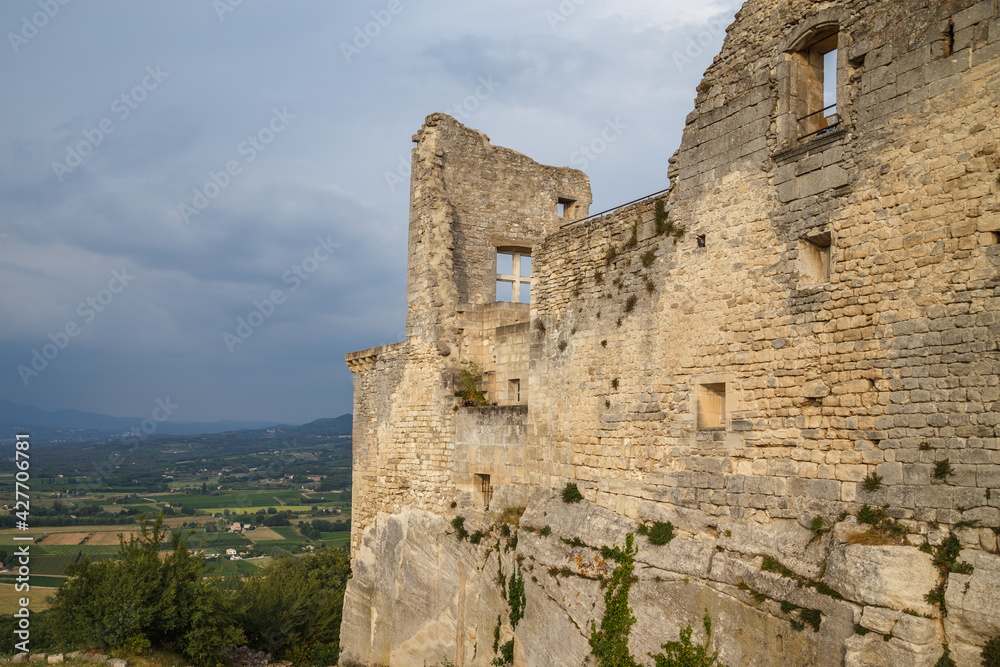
x,y
222,152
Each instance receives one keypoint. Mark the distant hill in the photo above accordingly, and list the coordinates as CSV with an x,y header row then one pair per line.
x,y
331,426
319,428
78,426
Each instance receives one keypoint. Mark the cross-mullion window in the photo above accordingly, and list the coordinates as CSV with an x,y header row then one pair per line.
x,y
514,277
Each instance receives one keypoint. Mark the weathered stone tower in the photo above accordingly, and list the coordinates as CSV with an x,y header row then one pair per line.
x,y
791,356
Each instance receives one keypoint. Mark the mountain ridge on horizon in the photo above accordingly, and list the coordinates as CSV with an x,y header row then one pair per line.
x,y
78,425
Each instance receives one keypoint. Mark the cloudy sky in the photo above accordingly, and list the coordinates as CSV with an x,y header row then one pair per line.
x,y
168,168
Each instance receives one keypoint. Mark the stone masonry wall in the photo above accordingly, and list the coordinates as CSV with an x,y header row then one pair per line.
x,y
467,199
402,437
886,368
796,329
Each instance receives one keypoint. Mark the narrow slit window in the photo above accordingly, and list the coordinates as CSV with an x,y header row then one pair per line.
x,y
513,277
485,489
830,80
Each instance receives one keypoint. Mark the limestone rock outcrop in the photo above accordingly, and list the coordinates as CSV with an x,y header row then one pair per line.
x,y
423,595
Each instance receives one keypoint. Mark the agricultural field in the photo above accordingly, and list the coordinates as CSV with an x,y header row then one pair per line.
x,y
234,500
89,550
224,567
263,534
339,539
38,595
64,538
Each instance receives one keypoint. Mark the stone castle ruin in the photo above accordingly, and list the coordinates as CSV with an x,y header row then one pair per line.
x,y
790,356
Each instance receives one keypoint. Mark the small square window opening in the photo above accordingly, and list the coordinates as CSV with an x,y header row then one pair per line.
x,y
565,207
711,406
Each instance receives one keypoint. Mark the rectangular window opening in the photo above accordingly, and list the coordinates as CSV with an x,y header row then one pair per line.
x,y
485,490
815,90
505,263
814,259
514,391
565,208
513,278
711,405
504,290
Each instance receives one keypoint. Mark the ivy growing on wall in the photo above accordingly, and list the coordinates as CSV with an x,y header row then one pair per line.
x,y
663,223
513,592
609,644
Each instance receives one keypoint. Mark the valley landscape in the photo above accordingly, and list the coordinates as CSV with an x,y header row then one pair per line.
x,y
239,497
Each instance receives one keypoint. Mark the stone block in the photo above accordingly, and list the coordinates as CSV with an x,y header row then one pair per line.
x,y
979,12
973,600
787,541
889,576
891,473
851,473
874,651
879,619
679,555
989,222
815,389
915,629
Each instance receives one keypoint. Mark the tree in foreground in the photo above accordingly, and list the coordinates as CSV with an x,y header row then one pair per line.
x,y
139,600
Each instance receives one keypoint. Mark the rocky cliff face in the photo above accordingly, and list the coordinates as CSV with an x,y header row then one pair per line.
x,y
777,594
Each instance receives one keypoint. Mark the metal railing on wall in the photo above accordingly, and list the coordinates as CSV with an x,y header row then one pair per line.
x,y
830,122
615,208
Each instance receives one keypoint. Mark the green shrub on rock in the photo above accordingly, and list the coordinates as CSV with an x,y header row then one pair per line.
x,y
571,494
991,653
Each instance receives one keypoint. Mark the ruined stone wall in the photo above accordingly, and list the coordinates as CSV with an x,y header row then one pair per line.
x,y
402,436
886,368
496,338
490,441
838,295
499,198
467,199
